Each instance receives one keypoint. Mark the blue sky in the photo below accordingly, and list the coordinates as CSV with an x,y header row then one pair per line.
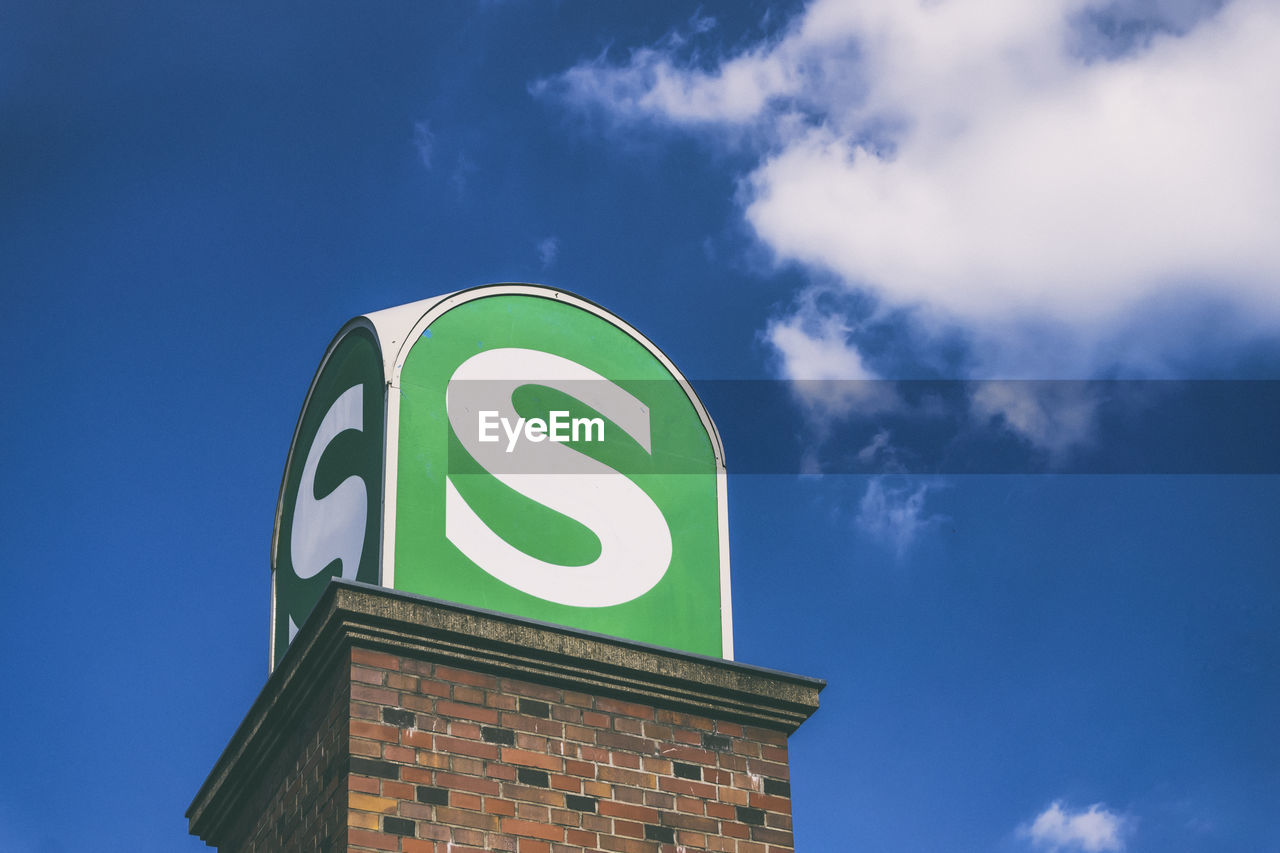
x,y
1026,652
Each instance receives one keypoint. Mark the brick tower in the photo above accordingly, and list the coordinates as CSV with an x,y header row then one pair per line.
x,y
402,723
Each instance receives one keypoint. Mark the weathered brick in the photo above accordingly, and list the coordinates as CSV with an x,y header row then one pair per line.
x,y
723,811
582,804
639,814
455,746
627,759
662,834
417,738
370,838
463,676
475,713
777,787
565,714
533,743
475,784
372,767
371,803
399,681
629,795
464,730
719,743
463,800
432,796
705,825
594,720
687,787
659,800
399,718
535,795
628,709
364,675
532,759
770,804
469,695
580,837
566,783
396,790
380,660
581,700
376,695
770,836
614,740
399,826
459,817
402,754
374,731
533,845
716,777
515,826
687,771
626,725
505,737
493,805
364,784
537,812
627,777
625,845
536,778
687,754
583,769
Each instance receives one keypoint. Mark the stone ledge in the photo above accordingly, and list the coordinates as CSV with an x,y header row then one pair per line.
x,y
355,614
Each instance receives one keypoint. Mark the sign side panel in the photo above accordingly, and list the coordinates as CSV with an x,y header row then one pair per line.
x,y
330,513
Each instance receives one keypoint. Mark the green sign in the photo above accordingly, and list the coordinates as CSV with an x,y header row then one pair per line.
x,y
329,514
542,459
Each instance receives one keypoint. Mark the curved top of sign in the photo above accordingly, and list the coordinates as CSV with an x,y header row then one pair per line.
x,y
438,451
403,325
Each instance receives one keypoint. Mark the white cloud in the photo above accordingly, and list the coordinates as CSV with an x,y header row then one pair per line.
x,y
879,446
1094,830
651,85
816,349
1027,187
828,374
460,178
424,141
997,164
1054,416
548,250
895,515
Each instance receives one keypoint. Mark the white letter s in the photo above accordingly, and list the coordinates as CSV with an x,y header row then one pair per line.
x,y
332,527
635,540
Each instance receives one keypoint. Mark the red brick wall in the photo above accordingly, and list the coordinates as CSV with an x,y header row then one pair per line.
x,y
297,802
444,760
